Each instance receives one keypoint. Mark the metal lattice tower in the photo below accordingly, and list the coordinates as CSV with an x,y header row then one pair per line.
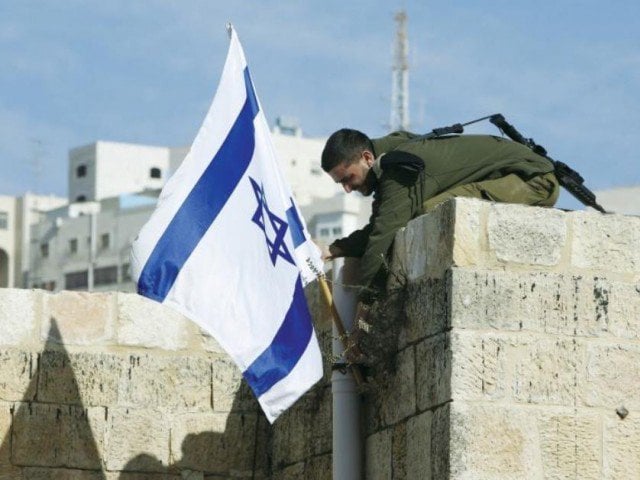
x,y
400,76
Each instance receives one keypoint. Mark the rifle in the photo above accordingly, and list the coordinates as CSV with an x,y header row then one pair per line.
x,y
567,177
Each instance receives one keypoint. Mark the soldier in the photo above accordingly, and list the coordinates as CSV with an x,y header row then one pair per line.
x,y
409,175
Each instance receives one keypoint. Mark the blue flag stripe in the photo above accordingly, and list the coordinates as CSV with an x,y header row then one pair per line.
x,y
291,341
203,204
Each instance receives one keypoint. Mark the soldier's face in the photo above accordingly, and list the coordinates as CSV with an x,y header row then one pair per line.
x,y
353,175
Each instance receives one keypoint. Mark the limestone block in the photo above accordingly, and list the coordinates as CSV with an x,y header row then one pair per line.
x,y
9,472
612,374
469,247
606,243
621,444
79,318
137,440
229,391
570,445
396,389
427,308
69,436
18,312
433,371
547,370
536,301
481,367
145,323
5,432
378,456
218,443
17,375
607,307
178,382
526,235
316,468
399,447
440,442
61,474
428,243
305,429
210,344
418,446
85,379
492,443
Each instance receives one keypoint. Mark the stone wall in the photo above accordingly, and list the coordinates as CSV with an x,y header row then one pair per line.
x,y
113,386
508,348
518,348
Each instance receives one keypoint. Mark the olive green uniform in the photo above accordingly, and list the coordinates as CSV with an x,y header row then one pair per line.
x,y
480,166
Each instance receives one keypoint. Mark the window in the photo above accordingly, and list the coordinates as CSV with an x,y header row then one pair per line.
x,y
324,232
155,173
316,171
336,230
81,198
81,171
105,275
44,250
105,241
76,280
73,245
126,272
4,220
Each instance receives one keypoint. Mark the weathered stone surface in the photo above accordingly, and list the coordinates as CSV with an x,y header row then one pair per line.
x,y
492,442
18,316
399,447
181,382
5,432
79,318
469,243
378,456
418,438
480,368
17,372
145,323
428,243
612,375
427,308
84,379
433,371
570,445
605,243
621,444
396,389
305,429
9,472
137,440
229,391
546,370
61,474
219,443
56,436
526,235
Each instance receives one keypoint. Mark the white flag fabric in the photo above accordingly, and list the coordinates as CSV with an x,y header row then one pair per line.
x,y
227,247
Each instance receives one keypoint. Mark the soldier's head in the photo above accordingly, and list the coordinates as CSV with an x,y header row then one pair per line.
x,y
348,157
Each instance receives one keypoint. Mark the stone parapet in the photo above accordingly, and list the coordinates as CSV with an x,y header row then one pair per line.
x,y
518,353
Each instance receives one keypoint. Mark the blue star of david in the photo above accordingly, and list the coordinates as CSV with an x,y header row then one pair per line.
x,y
276,246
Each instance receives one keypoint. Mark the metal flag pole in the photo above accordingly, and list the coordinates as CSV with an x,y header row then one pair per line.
x,y
342,332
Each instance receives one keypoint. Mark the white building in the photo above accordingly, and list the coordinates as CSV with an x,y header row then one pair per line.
x,y
17,214
108,169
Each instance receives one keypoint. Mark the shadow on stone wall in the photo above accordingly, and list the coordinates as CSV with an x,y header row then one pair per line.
x,y
51,433
50,429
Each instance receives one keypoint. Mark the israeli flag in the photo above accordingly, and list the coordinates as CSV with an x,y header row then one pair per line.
x,y
227,247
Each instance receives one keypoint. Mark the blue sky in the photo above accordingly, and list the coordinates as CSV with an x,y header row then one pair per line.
x,y
566,73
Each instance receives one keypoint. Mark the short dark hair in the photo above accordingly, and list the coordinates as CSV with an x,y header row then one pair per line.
x,y
345,145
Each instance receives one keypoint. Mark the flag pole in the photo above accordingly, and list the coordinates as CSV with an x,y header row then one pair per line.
x,y
337,321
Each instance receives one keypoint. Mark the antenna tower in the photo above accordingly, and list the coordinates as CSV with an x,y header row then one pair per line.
x,y
400,76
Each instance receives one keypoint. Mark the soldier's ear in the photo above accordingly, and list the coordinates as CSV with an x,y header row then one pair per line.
x,y
368,157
